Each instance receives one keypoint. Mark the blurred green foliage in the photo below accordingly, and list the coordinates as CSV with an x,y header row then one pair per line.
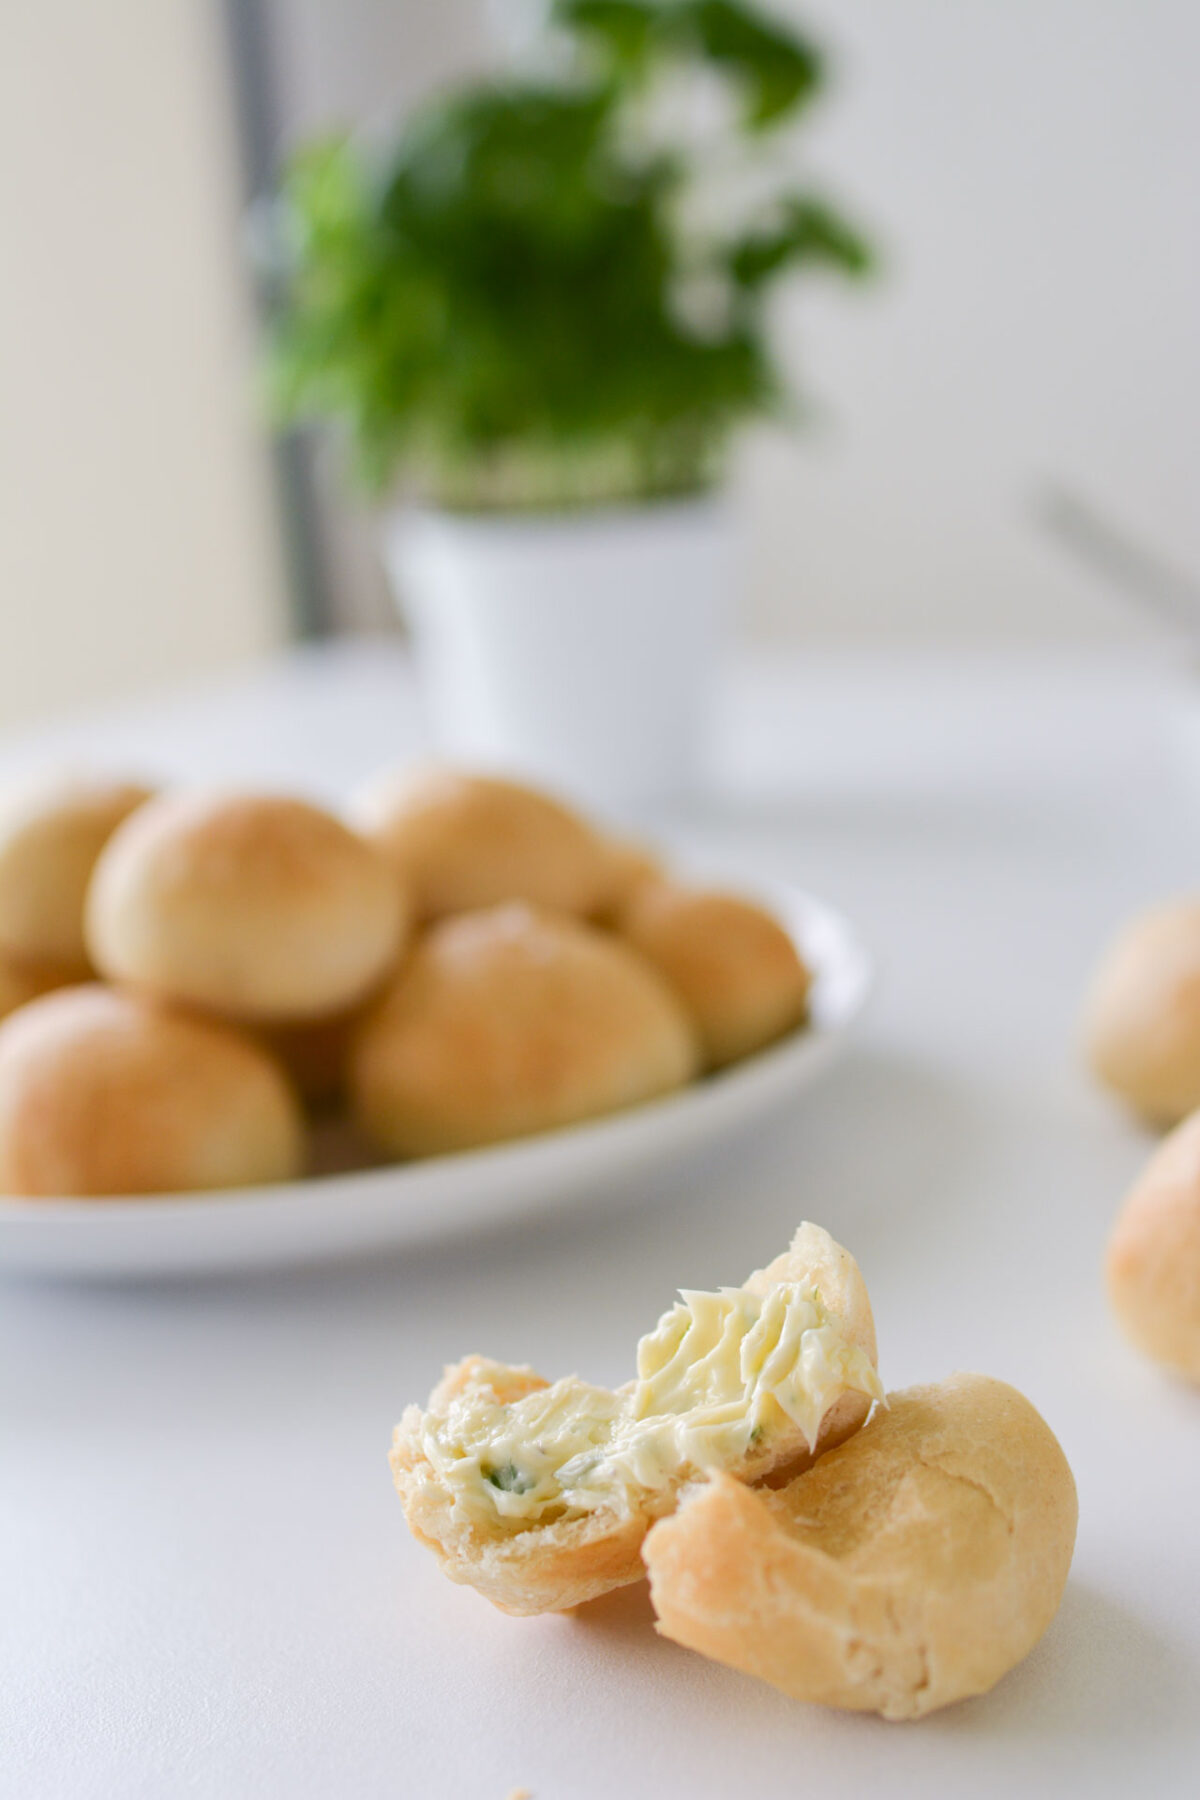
x,y
506,306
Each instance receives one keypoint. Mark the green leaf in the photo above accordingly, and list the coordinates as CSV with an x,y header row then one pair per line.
x,y
809,231
624,29
780,70
485,305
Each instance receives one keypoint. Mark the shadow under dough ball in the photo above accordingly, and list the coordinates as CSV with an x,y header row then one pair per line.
x,y
104,1093
21,982
512,1021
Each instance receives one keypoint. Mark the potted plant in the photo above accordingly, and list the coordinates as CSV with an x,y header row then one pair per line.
x,y
538,312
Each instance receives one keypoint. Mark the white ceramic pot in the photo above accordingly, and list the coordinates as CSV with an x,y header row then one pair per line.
x,y
579,649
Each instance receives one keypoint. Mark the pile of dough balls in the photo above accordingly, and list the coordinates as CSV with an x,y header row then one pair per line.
x,y
187,977
1142,1040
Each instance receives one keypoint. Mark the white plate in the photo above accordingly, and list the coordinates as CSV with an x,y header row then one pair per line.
x,y
337,1215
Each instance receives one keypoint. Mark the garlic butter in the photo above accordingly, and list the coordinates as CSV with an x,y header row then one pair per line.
x,y
721,1374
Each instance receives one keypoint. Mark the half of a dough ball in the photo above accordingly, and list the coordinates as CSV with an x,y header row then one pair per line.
x,y
539,1494
512,1021
1154,1255
912,1566
735,968
260,908
102,1093
464,841
1141,1025
51,833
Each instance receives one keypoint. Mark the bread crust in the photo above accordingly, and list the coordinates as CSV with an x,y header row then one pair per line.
x,y
51,833
508,1022
911,1567
102,1093
1153,1265
734,967
254,907
551,1568
463,841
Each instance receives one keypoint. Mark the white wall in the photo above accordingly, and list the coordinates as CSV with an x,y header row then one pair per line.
x,y
137,537
1029,166
1032,169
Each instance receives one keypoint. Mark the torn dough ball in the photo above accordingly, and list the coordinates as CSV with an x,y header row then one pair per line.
x,y
539,1495
913,1566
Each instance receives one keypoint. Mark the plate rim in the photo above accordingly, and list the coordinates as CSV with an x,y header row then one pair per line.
x,y
615,1137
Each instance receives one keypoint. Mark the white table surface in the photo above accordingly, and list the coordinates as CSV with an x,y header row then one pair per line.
x,y
206,1585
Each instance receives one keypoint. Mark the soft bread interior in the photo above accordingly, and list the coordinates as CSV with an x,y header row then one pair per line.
x,y
539,1494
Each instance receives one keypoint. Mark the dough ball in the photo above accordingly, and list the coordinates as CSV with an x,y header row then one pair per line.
x,y
512,1021
466,841
104,1093
911,1567
257,907
1142,1016
51,832
735,968
1154,1255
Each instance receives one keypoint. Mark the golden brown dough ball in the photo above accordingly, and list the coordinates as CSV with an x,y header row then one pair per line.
x,y
51,832
465,841
512,1021
261,908
102,1093
1154,1255
909,1568
735,968
1141,1026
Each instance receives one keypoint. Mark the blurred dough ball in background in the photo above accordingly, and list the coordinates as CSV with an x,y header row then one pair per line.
x,y
512,1021
464,841
260,908
734,967
104,1093
1154,1255
51,832
1141,1024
